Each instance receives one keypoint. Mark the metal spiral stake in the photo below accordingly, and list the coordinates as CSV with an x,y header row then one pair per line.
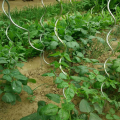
x,y
43,33
116,6
9,24
56,33
12,22
92,10
107,40
103,11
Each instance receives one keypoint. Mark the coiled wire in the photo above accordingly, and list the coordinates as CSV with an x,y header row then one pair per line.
x,y
56,33
12,22
43,52
107,40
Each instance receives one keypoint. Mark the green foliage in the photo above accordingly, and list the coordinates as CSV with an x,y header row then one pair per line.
x,y
12,81
83,49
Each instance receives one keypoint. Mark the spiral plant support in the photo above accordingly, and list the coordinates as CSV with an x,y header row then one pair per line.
x,y
56,33
43,52
107,40
12,22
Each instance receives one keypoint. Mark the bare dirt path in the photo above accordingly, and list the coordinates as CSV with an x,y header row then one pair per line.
x,y
19,4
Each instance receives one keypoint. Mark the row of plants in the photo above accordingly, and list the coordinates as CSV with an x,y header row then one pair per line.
x,y
34,12
12,82
77,32
83,81
86,25
100,4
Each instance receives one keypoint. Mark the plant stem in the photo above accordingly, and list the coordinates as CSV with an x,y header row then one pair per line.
x,y
70,115
39,86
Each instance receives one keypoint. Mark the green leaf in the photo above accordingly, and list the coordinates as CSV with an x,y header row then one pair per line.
x,y
55,37
84,41
67,57
97,85
94,116
49,74
112,111
1,67
87,60
62,85
7,77
119,90
33,33
79,54
96,72
116,117
107,84
68,106
118,69
83,70
6,71
92,76
53,44
97,108
16,86
18,98
83,117
56,54
116,104
84,106
64,64
32,80
73,44
33,116
76,78
20,77
77,59
89,91
69,93
1,91
54,97
94,60
41,103
100,78
113,85
9,97
49,109
27,89
68,38
63,115
56,64
15,72
58,80
109,116
62,76
100,39
3,60
8,88
116,63
82,30
20,65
